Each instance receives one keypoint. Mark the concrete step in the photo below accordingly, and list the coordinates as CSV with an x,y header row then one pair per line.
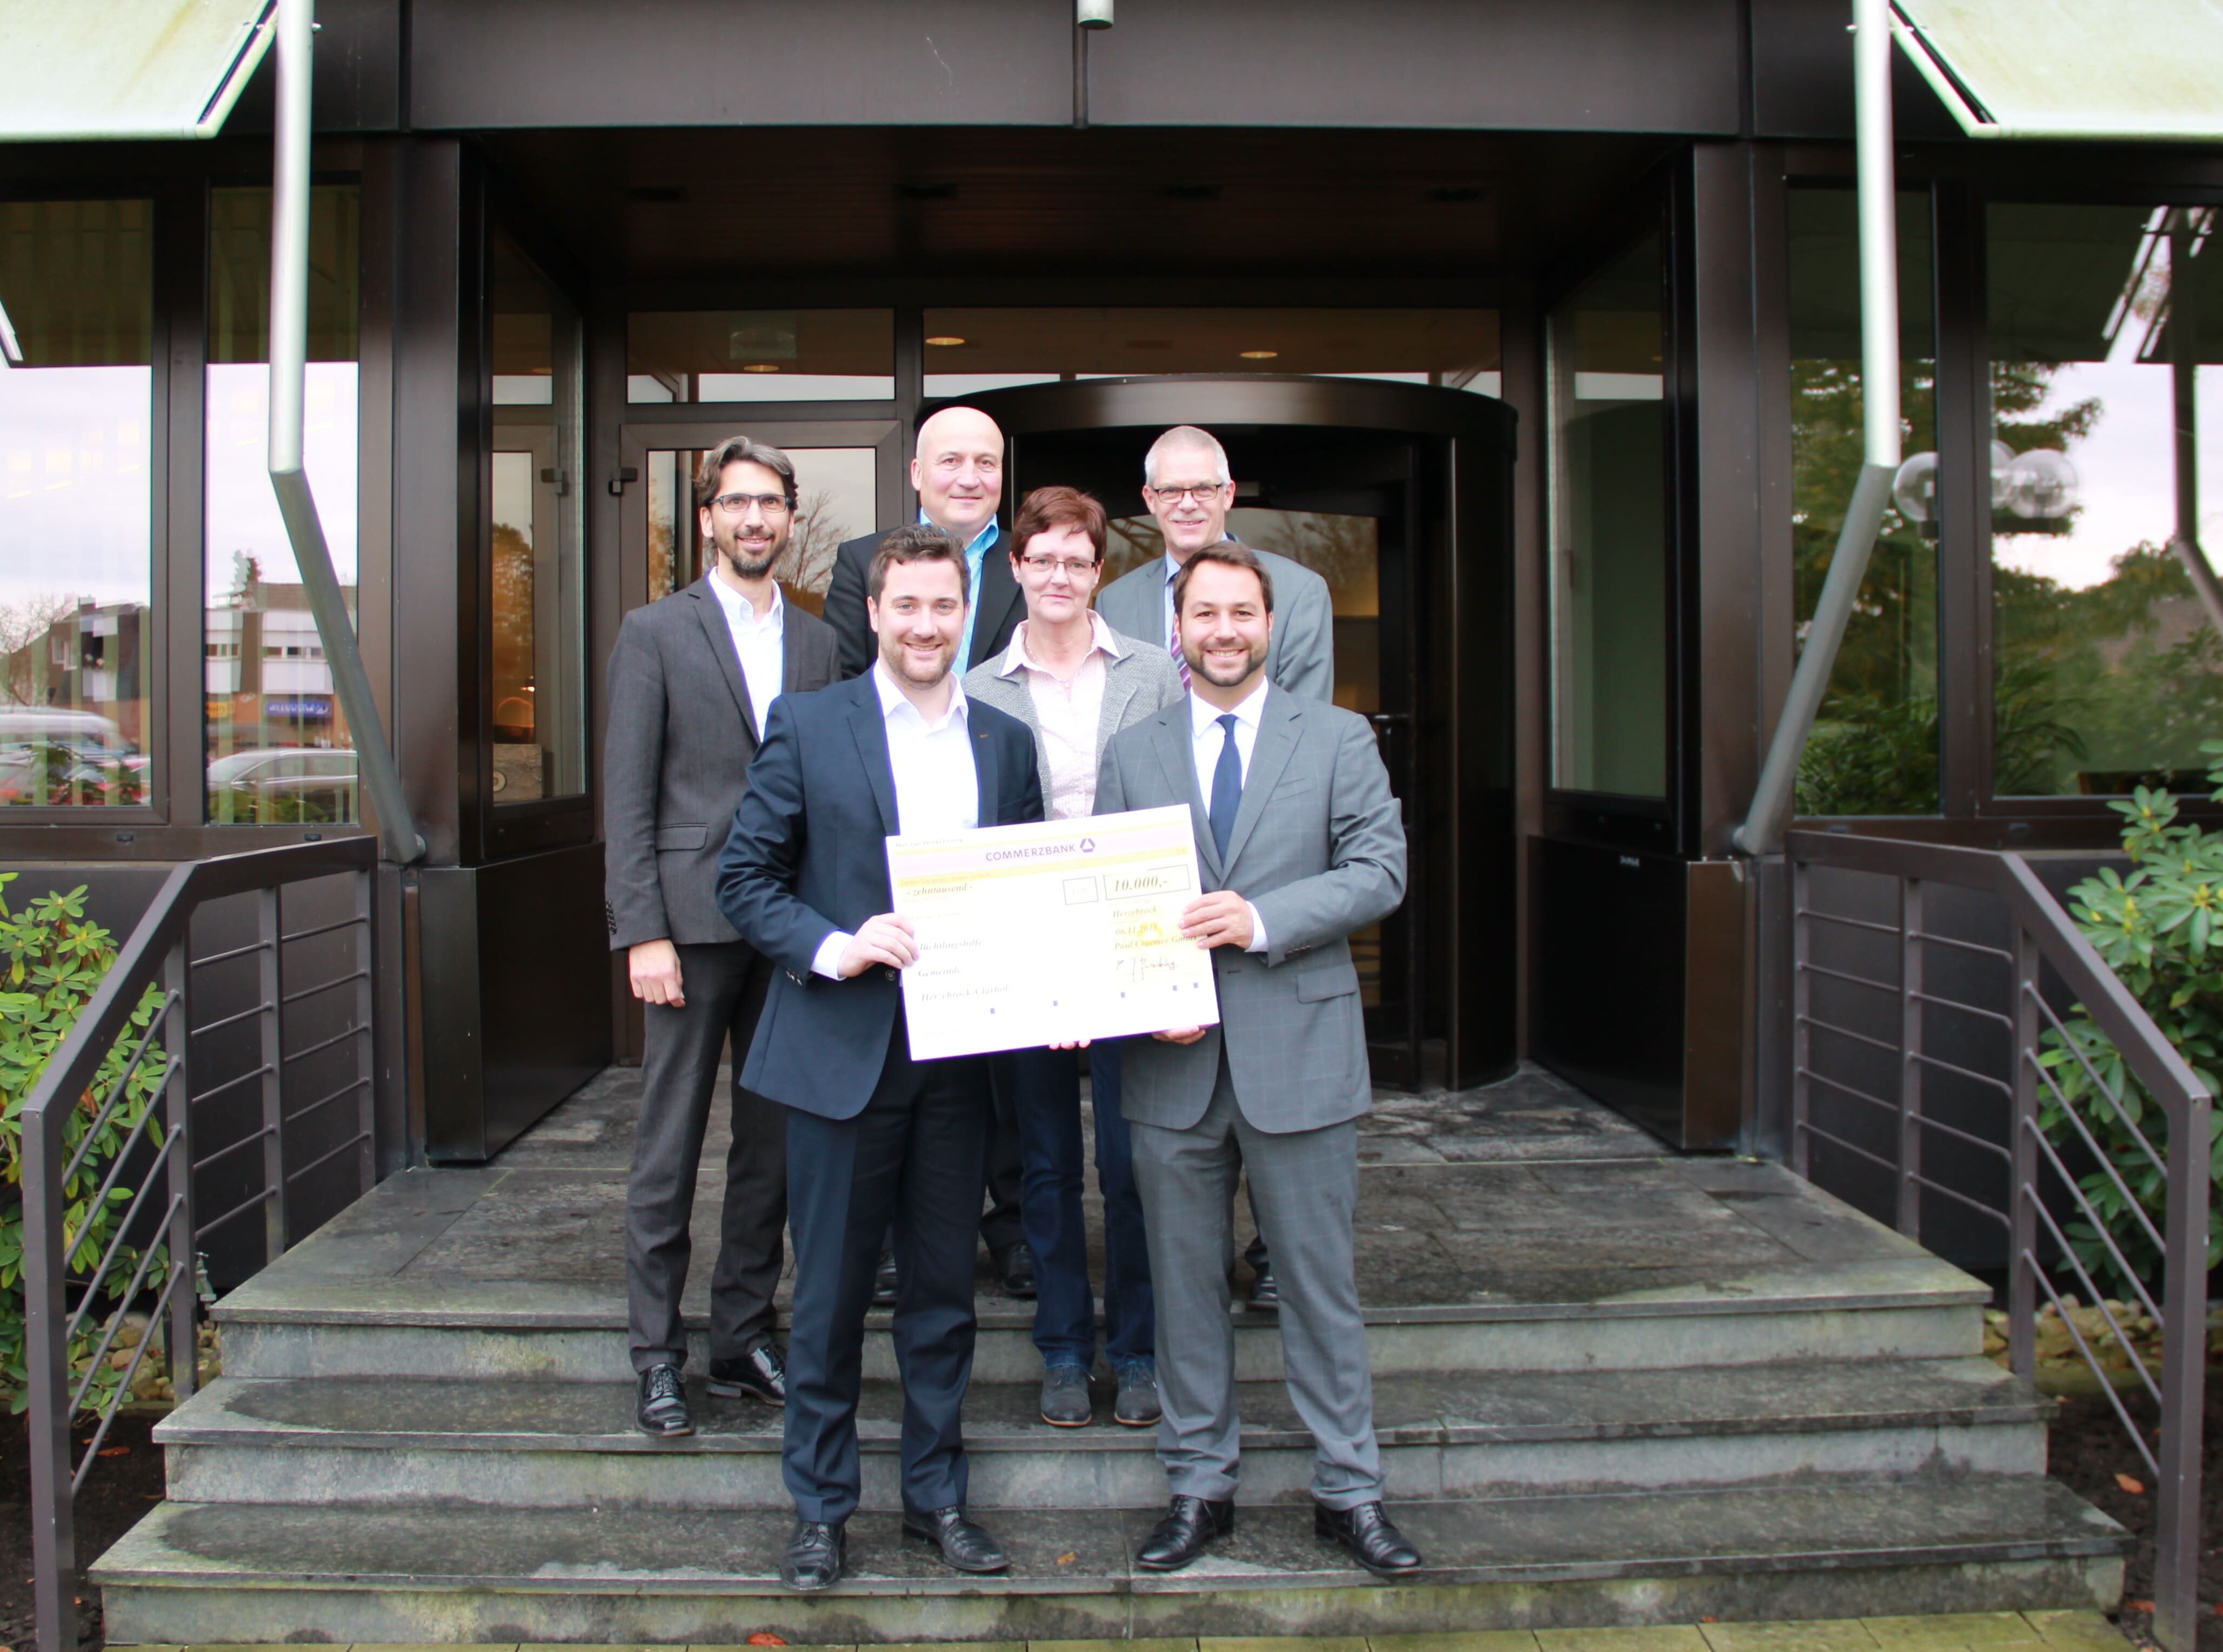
x,y
193,1574
1624,1264
572,1445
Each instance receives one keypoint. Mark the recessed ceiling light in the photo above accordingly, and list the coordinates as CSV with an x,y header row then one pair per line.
x,y
945,340
1260,355
759,367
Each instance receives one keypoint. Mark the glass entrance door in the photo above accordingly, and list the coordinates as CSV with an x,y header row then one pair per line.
x,y
845,475
1364,509
1359,540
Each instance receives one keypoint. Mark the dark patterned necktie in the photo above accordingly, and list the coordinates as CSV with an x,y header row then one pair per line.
x,y
1226,786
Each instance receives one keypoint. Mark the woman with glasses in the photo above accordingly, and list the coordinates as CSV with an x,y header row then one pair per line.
x,y
1075,682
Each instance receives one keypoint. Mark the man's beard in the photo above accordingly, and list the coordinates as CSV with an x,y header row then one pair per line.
x,y
1254,658
895,655
730,551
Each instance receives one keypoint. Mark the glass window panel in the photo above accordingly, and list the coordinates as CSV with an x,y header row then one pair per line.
x,y
969,351
536,633
2105,396
266,682
1875,745
837,495
75,511
1610,532
696,355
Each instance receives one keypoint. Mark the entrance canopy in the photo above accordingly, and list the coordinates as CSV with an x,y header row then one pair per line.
x,y
2071,68
126,68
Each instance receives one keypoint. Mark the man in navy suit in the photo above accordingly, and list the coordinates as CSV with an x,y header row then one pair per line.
x,y
872,1134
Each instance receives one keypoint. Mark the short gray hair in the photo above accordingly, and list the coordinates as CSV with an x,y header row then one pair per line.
x,y
1195,440
741,451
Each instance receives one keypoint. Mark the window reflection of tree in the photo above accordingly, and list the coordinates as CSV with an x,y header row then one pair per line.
x,y
809,562
512,637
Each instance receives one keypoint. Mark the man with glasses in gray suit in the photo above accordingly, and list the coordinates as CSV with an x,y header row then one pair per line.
x,y
1299,843
692,680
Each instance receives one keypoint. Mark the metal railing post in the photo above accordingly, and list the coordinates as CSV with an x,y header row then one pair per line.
x,y
2022,1212
1910,1056
2183,1372
46,1351
271,1028
366,1052
177,1117
1802,1049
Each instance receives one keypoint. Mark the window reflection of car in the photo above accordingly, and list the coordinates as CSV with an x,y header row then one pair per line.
x,y
51,755
283,783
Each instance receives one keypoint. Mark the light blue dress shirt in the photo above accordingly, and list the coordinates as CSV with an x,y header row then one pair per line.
x,y
976,555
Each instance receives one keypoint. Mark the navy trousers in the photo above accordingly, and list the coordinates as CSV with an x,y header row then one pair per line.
x,y
1045,1088
912,1157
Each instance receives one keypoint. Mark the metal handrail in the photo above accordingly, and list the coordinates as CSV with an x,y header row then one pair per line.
x,y
159,952
2042,936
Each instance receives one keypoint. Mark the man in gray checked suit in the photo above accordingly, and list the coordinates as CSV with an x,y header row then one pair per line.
x,y
692,679
1300,843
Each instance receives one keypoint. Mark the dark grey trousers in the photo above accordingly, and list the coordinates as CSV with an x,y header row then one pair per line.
x,y
724,986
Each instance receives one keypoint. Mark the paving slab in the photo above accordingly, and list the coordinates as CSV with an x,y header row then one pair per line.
x,y
1954,1631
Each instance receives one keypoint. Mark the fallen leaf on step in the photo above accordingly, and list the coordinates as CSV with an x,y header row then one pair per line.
x,y
2135,1488
116,1451
1068,1558
762,1638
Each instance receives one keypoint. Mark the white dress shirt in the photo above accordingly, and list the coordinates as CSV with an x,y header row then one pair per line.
x,y
1068,712
760,640
1206,739
937,788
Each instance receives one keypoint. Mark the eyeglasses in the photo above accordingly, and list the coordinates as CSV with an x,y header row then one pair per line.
x,y
1046,566
1175,495
738,504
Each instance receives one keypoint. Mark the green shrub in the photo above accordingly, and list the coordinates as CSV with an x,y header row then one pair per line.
x,y
51,962
2161,929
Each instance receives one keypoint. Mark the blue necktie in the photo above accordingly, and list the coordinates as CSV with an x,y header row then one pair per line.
x,y
1226,786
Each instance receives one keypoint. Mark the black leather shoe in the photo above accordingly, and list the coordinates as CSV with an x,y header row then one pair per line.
x,y
1264,1293
761,1374
1018,1264
814,1555
884,1280
662,1410
1179,1538
963,1544
1367,1533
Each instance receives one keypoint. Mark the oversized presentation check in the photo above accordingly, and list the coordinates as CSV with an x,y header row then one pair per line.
x,y
1051,932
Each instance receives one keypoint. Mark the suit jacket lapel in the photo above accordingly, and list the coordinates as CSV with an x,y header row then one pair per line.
x,y
790,658
1118,690
871,729
1177,754
1279,721
985,771
720,635
998,591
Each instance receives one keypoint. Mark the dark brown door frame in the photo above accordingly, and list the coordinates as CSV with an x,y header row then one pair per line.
x,y
1464,595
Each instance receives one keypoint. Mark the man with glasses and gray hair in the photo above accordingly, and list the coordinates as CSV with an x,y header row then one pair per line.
x,y
692,680
1189,489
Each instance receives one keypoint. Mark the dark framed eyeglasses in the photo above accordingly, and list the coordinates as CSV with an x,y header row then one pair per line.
x,y
738,504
